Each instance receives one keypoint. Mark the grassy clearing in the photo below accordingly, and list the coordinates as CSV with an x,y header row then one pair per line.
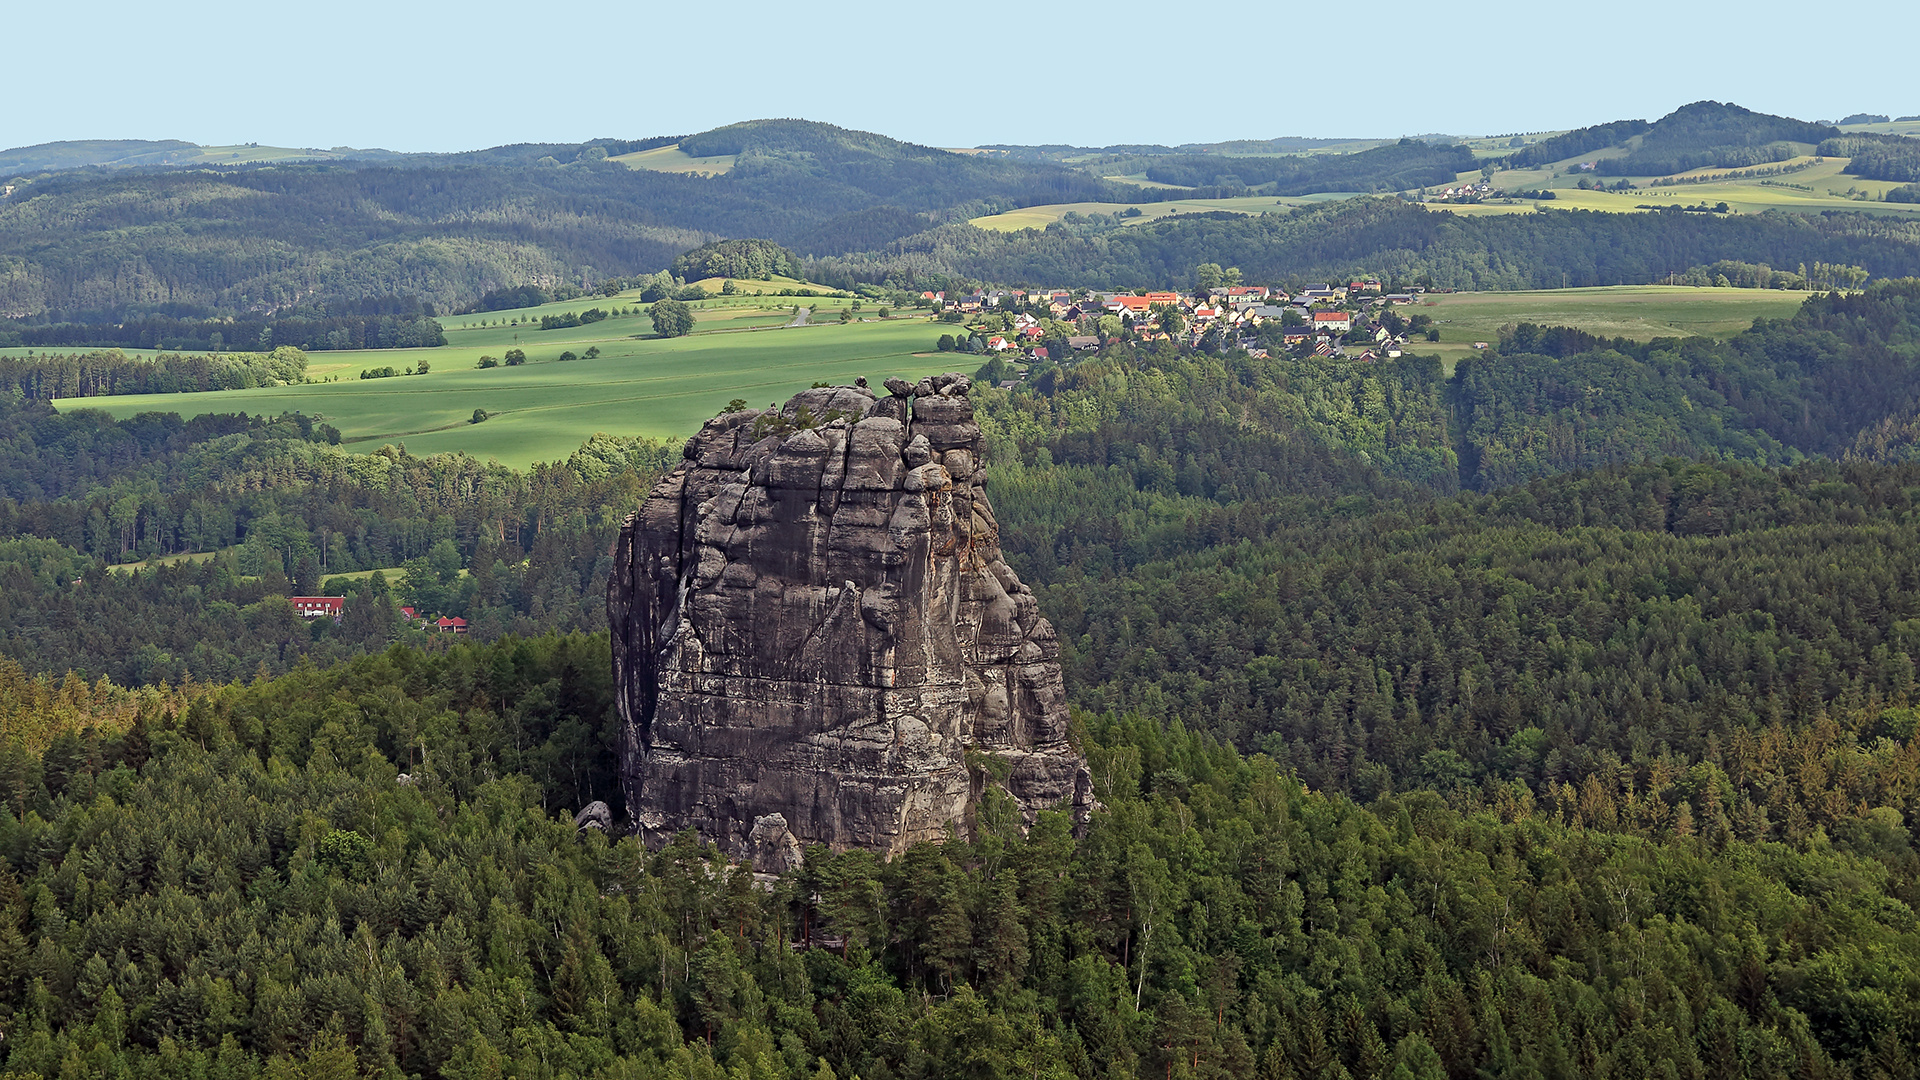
x,y
391,573
542,411
768,285
1139,179
1039,217
675,160
165,560
1892,127
1640,312
1815,186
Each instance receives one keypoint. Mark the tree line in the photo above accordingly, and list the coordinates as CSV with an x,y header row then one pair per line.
x,y
372,869
98,374
404,329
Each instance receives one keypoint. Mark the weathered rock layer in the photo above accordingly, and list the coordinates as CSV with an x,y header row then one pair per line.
x,y
813,630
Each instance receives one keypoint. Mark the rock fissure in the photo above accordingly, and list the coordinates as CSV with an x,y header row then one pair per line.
x,y
814,629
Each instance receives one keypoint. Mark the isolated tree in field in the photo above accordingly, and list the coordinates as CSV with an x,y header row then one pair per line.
x,y
671,318
516,357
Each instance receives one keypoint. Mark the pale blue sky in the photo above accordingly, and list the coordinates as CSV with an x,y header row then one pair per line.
x,y
443,76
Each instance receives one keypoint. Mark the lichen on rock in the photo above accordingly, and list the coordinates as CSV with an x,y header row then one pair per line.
x,y
813,627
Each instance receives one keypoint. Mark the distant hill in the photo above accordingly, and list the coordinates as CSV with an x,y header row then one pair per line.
x,y
1231,148
82,245
1574,143
1705,134
145,153
1712,134
1397,167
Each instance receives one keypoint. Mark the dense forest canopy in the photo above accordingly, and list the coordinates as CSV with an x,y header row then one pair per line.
x,y
113,372
369,870
1878,157
760,259
1397,167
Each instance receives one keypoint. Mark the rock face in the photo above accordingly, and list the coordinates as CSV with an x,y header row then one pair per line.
x,y
813,629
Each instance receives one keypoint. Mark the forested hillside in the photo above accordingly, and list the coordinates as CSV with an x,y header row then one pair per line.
x,y
1387,238
1711,134
281,511
145,258
257,240
1257,548
369,870
1397,167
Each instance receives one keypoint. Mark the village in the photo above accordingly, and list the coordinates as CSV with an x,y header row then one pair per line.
x,y
1355,321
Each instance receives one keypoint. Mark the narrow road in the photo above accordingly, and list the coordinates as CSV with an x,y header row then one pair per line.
x,y
801,319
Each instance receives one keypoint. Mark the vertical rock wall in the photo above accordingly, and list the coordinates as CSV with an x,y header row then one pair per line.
x,y
813,628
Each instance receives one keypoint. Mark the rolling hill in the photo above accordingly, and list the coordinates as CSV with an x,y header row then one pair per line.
x,y
91,246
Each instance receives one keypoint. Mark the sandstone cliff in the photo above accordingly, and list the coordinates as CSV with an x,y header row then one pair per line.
x,y
813,630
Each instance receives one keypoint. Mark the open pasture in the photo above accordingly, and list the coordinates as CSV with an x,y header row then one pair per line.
x,y
1811,186
1639,312
1891,127
1039,217
543,410
742,286
675,160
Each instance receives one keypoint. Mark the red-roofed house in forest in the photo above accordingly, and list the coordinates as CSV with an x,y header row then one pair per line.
x,y
455,624
314,607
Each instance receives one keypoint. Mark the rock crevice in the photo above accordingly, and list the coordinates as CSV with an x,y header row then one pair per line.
x,y
813,629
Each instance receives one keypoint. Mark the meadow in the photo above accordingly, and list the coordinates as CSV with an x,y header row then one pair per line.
x,y
675,160
543,410
1039,217
1640,312
1814,185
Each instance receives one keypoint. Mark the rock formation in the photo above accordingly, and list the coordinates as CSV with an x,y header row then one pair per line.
x,y
814,633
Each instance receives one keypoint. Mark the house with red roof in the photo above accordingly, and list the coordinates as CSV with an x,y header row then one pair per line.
x,y
1338,322
314,607
453,625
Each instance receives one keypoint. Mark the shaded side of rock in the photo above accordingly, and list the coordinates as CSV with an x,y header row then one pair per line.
x,y
812,623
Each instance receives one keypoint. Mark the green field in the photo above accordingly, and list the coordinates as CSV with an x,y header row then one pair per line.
x,y
1814,185
1891,127
543,410
1640,312
675,160
1039,217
